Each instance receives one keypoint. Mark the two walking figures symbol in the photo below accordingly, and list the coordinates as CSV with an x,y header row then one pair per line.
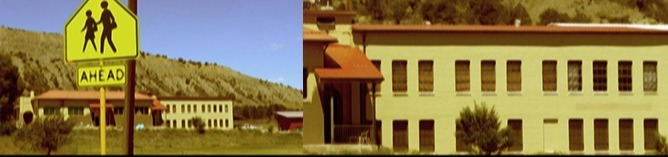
x,y
108,22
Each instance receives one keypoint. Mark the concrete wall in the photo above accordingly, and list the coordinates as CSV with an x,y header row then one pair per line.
x,y
531,105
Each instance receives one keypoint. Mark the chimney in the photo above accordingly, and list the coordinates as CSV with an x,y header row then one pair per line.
x,y
518,22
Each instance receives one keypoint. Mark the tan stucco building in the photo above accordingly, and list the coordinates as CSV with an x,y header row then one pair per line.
x,y
217,113
578,89
84,107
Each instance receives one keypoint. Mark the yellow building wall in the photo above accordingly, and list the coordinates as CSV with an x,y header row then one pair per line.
x,y
85,119
313,128
178,115
532,105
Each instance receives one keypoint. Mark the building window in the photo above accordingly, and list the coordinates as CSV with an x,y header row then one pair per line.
x,y
600,134
600,76
514,76
462,77
651,127
550,76
400,135
208,108
459,147
142,110
174,108
376,63
195,108
304,81
427,136
183,123
225,108
649,76
118,110
208,123
215,107
575,76
625,77
75,111
167,110
575,135
174,123
227,123
488,76
183,108
399,76
215,123
626,134
426,76
220,109
169,123
189,108
203,108
516,135
51,110
221,122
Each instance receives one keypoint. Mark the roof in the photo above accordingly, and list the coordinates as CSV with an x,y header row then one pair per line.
x,y
157,105
316,36
107,105
611,29
86,95
352,62
291,114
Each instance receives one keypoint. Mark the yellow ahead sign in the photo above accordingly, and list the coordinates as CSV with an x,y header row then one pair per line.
x,y
101,76
101,29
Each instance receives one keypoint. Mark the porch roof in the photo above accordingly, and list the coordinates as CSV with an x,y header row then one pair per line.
x,y
353,65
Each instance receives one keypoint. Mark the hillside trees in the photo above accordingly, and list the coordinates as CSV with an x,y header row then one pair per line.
x,y
10,89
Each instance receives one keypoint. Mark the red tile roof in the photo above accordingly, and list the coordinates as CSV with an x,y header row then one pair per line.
x,y
98,105
352,62
315,36
86,95
502,29
157,105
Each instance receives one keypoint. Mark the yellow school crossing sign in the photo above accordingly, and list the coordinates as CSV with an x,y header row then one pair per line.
x,y
101,29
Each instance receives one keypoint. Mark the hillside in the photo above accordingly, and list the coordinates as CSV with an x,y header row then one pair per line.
x,y
466,12
39,57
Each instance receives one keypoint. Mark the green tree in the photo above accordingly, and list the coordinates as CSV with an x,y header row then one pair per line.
x,y
199,124
47,134
9,87
661,146
550,15
480,131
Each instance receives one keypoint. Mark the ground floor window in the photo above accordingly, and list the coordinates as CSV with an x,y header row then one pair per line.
x,y
427,136
400,135
75,110
601,134
651,127
51,110
626,134
515,126
575,135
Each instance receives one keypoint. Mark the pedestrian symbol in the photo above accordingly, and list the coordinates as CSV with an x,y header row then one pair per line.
x,y
106,23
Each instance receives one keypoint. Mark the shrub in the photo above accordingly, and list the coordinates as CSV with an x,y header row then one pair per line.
x,y
47,134
198,123
7,128
480,131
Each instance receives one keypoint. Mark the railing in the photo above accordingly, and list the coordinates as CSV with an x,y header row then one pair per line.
x,y
352,134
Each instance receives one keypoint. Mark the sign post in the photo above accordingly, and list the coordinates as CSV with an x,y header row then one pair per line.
x,y
116,28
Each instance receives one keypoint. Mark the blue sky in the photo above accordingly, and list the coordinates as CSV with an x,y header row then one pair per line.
x,y
260,38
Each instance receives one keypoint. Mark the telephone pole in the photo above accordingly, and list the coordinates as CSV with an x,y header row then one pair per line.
x,y
130,96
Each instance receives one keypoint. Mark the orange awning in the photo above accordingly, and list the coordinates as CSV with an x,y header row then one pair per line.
x,y
353,65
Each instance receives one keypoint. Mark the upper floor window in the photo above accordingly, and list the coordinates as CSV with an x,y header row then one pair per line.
x,y
600,71
514,76
550,76
488,75
462,77
575,76
625,77
426,76
399,76
649,76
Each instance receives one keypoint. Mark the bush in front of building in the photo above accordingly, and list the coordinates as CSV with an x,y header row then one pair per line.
x,y
7,128
661,146
47,134
199,125
480,131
